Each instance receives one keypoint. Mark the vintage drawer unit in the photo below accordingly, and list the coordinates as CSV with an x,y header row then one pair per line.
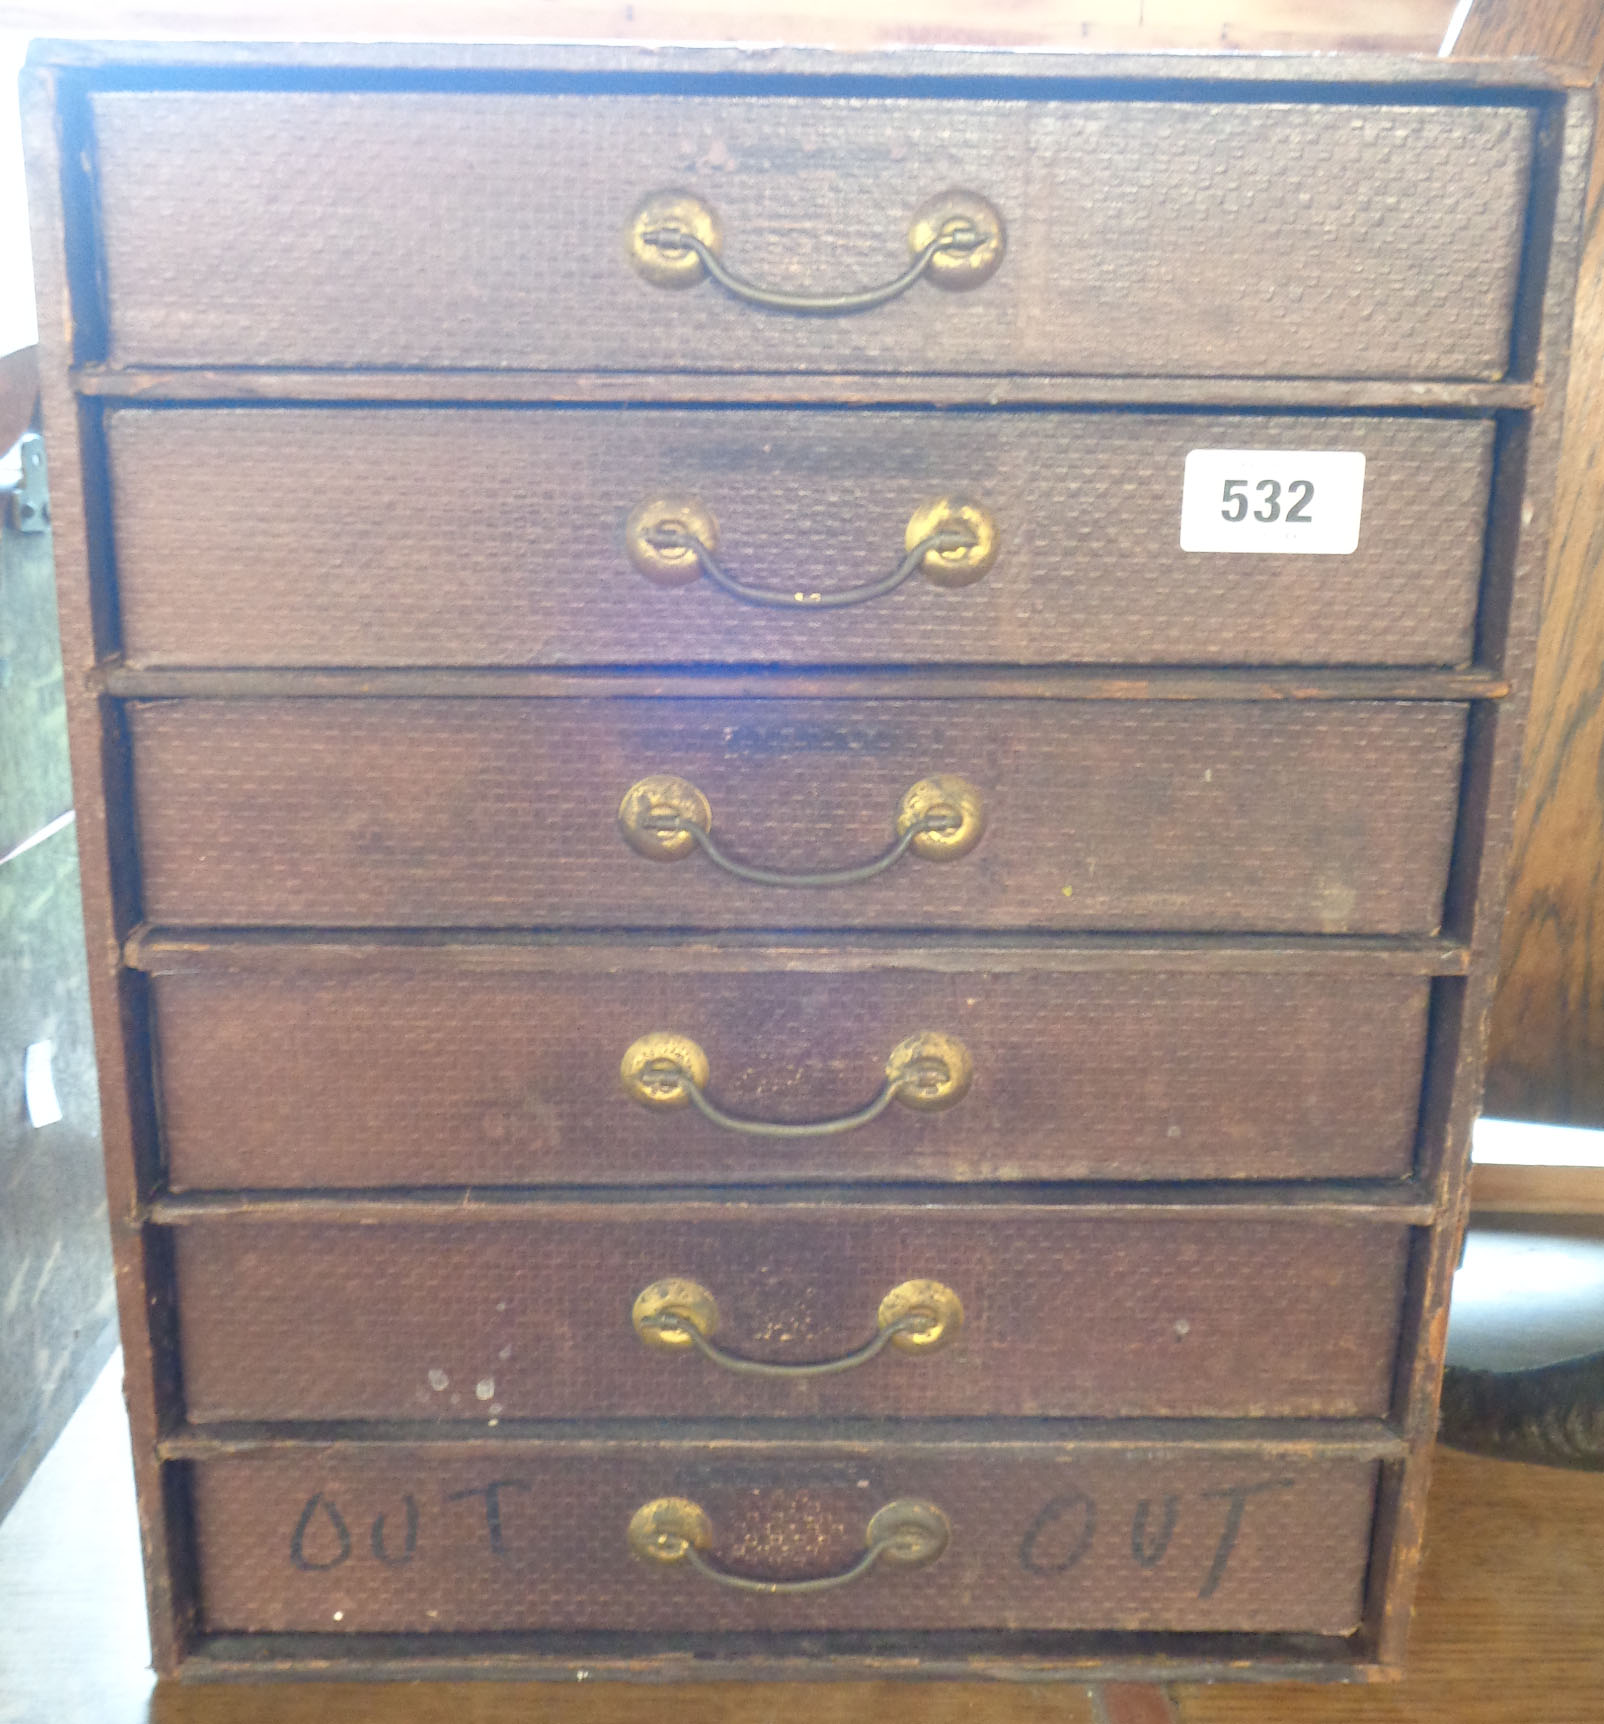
x,y
793,771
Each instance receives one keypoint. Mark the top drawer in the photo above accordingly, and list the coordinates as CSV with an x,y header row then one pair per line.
x,y
476,230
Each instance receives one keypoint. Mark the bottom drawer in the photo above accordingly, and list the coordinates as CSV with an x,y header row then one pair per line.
x,y
396,1538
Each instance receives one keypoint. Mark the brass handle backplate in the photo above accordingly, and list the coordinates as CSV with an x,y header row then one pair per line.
x,y
956,241
673,540
906,1533
928,1072
677,1314
664,817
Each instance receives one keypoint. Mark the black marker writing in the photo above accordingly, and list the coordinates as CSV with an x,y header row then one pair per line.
x,y
492,1495
1151,1557
335,1519
410,1545
1236,1496
1061,1508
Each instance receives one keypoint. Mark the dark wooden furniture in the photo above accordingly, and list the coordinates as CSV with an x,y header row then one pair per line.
x,y
451,534
1546,1041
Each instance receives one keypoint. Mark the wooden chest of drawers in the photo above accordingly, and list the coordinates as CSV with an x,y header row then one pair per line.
x,y
790,974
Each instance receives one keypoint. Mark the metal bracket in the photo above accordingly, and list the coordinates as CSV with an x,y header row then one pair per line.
x,y
30,502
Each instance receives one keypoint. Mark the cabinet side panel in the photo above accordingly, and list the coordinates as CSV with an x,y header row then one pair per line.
x,y
61,263
1513,587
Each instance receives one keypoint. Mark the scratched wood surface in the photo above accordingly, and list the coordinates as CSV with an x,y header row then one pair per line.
x,y
1507,1625
1547,1051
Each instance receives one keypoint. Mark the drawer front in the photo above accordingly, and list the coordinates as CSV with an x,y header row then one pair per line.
x,y
1329,817
1061,1314
432,1540
392,1067
1086,510
490,230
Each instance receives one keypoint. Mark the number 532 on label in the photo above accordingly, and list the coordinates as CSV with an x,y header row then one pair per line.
x,y
1287,501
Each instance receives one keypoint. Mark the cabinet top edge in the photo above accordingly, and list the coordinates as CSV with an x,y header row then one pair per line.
x,y
749,59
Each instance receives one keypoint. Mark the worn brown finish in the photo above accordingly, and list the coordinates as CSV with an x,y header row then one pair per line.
x,y
1506,1631
104,857
313,951
1393,1203
508,247
1519,545
1054,682
1043,1536
1525,1189
496,813
1086,505
276,385
427,1072
1065,1314
293,805
1134,1703
1547,1049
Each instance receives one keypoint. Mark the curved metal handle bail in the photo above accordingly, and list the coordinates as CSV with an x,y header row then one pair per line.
x,y
928,1072
673,540
905,1533
957,241
677,1314
664,818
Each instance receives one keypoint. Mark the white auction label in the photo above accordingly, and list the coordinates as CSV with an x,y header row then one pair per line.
x,y
1283,500
39,1085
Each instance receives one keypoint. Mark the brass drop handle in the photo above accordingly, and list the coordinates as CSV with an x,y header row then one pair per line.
x,y
664,818
956,240
928,1072
906,1533
672,541
676,1315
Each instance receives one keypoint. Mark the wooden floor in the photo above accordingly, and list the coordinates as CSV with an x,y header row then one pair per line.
x,y
1510,1629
